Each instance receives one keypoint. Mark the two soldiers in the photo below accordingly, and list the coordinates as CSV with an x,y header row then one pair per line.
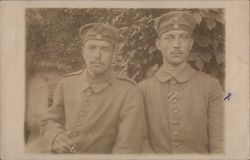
x,y
177,110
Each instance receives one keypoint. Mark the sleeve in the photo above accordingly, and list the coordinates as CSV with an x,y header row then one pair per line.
x,y
53,120
146,147
130,132
216,118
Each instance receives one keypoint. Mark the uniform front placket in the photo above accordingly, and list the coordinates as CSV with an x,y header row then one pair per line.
x,y
83,112
174,111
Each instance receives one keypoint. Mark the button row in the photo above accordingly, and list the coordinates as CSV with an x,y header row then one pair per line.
x,y
175,133
175,122
82,113
175,111
74,133
176,145
89,92
174,101
85,103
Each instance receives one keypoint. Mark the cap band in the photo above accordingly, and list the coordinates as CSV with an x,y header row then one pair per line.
x,y
98,31
174,20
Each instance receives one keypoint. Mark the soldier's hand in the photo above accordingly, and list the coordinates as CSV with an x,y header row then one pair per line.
x,y
63,144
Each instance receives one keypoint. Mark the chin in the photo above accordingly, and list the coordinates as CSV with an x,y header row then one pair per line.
x,y
98,71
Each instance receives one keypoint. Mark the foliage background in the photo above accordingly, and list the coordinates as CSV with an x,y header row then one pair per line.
x,y
53,44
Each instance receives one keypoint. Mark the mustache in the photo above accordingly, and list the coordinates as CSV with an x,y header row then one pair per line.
x,y
176,52
97,62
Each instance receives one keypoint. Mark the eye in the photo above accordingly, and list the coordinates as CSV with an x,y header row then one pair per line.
x,y
168,37
91,47
185,36
106,49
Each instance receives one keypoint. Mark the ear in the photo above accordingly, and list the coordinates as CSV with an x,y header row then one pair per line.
x,y
191,44
115,48
83,53
158,44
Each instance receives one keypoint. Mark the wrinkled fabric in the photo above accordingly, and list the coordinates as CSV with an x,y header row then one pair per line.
x,y
184,112
102,117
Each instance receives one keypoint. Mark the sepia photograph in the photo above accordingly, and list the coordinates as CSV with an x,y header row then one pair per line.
x,y
120,81
125,80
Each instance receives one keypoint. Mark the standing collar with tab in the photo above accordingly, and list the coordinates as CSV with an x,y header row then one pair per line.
x,y
181,76
99,85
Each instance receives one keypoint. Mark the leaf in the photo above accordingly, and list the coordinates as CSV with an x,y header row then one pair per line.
x,y
214,70
215,10
215,43
152,49
132,42
151,70
206,56
143,19
220,18
124,29
222,67
199,64
220,57
122,44
193,56
203,41
203,13
116,19
197,18
211,23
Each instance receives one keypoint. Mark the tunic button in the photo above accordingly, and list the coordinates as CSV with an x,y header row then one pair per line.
x,y
176,26
85,103
176,19
89,92
174,101
175,111
176,145
175,122
175,133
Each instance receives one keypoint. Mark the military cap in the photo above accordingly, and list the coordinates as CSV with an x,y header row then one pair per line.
x,y
174,20
99,31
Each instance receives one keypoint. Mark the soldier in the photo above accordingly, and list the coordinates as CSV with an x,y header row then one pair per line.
x,y
184,107
95,110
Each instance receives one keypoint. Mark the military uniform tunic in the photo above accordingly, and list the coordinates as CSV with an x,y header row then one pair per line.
x,y
184,112
103,117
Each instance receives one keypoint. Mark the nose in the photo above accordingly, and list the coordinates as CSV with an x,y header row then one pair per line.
x,y
176,42
97,53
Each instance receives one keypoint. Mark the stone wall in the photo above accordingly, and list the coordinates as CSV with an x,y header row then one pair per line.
x,y
39,93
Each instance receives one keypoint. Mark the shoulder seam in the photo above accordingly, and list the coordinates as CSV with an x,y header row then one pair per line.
x,y
73,74
122,77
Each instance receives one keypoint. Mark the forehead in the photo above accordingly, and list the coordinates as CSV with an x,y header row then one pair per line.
x,y
98,43
176,32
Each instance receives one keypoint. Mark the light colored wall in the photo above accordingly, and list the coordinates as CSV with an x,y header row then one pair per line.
x,y
39,87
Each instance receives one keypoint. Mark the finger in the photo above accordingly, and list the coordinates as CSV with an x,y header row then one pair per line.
x,y
65,146
66,139
68,132
62,146
58,151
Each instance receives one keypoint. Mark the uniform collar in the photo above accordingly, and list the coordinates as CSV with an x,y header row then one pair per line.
x,y
96,85
181,76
